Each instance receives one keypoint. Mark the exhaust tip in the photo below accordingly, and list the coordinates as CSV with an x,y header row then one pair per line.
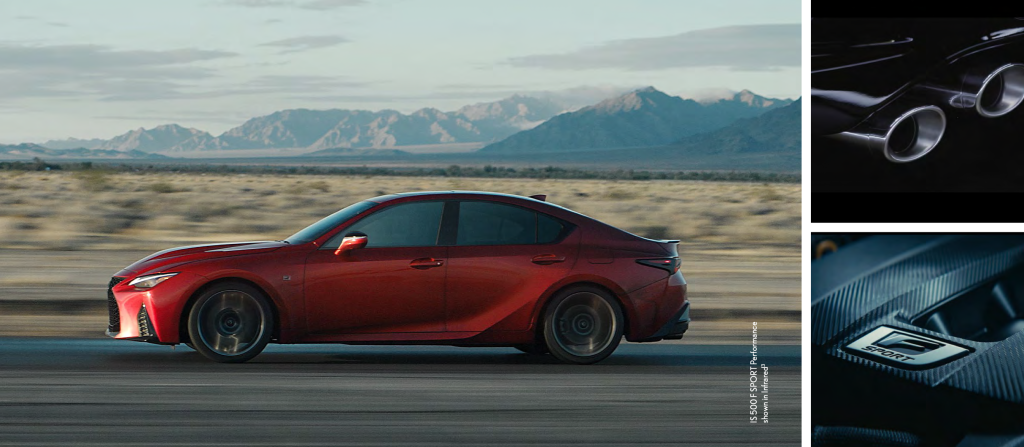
x,y
1002,91
914,134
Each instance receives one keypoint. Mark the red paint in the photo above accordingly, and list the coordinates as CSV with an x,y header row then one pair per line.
x,y
445,294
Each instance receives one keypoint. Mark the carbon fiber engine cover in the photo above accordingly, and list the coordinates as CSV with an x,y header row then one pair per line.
x,y
885,284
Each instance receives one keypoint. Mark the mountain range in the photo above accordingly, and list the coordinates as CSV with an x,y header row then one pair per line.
x,y
29,150
335,128
767,142
642,118
517,124
777,130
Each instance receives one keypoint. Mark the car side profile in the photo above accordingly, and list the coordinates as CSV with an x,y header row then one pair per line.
x,y
450,268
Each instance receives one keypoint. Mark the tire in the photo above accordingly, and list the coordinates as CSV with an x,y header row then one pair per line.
x,y
230,323
583,325
533,348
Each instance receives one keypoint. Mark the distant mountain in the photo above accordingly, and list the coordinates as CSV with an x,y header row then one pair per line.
x,y
336,128
769,142
158,139
74,143
641,118
775,131
510,115
28,151
389,128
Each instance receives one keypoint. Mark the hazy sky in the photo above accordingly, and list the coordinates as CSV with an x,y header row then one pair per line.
x,y
95,69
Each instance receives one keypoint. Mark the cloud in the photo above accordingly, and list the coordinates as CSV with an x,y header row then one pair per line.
x,y
571,98
262,85
324,5
313,5
746,48
259,3
164,116
32,71
37,19
105,74
305,43
97,58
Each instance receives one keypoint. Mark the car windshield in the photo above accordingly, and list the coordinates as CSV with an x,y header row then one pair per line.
x,y
328,223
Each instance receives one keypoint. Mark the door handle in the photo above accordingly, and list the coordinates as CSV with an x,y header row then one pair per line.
x,y
426,263
547,259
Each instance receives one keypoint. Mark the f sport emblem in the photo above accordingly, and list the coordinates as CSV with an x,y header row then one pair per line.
x,y
905,349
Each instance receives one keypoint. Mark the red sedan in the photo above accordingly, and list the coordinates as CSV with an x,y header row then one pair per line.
x,y
453,268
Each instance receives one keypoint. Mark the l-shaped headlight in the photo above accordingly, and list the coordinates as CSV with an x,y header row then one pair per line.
x,y
150,281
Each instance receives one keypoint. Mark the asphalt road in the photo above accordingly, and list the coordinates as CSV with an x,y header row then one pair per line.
x,y
106,392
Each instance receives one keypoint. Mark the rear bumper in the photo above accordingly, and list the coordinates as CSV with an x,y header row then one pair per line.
x,y
674,328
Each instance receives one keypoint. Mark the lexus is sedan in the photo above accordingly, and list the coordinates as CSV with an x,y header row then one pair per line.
x,y
447,268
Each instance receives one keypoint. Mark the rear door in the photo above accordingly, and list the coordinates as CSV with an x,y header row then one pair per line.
x,y
502,259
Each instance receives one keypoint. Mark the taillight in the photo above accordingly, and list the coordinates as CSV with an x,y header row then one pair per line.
x,y
670,265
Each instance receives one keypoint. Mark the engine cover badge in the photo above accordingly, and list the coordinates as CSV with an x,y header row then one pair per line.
x,y
905,349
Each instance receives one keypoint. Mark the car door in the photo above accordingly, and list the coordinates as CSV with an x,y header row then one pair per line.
x,y
394,284
503,259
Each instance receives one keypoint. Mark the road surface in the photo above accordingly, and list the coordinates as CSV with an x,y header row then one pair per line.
x,y
106,392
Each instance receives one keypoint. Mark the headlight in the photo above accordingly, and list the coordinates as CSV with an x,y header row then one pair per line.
x,y
146,282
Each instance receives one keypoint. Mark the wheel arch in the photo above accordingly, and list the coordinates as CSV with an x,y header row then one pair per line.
x,y
541,310
187,309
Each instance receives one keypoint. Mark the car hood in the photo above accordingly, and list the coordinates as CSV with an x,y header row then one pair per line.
x,y
172,257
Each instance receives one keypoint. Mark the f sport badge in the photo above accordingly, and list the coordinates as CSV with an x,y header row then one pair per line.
x,y
905,349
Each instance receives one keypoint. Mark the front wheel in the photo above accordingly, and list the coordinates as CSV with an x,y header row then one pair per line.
x,y
230,323
583,325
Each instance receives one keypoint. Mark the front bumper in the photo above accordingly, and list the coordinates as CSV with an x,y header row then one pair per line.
x,y
150,315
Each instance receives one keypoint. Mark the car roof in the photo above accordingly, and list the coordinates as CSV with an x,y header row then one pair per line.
x,y
530,201
390,197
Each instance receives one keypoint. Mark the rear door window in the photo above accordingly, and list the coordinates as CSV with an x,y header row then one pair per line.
x,y
489,223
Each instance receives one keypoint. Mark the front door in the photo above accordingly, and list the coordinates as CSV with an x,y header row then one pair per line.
x,y
394,284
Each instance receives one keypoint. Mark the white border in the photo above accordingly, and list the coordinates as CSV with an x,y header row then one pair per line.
x,y
805,220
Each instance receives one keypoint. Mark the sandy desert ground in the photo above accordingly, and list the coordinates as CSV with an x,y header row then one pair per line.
x,y
62,234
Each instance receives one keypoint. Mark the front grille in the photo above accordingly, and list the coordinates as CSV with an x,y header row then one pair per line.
x,y
114,326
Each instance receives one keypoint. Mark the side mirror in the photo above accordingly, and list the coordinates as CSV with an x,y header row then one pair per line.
x,y
352,242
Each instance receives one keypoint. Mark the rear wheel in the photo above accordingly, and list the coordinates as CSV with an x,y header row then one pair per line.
x,y
583,325
230,323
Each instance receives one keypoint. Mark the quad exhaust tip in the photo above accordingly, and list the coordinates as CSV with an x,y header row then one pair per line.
x,y
914,134
902,139
1001,91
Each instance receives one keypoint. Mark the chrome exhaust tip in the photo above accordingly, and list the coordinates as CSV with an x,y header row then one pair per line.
x,y
903,139
992,92
1001,91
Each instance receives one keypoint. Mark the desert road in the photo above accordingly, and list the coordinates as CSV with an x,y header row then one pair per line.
x,y
106,392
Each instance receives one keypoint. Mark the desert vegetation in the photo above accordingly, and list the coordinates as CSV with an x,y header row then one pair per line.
x,y
97,209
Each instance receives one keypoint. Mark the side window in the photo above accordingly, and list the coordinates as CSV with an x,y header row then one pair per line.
x,y
406,225
548,228
486,223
